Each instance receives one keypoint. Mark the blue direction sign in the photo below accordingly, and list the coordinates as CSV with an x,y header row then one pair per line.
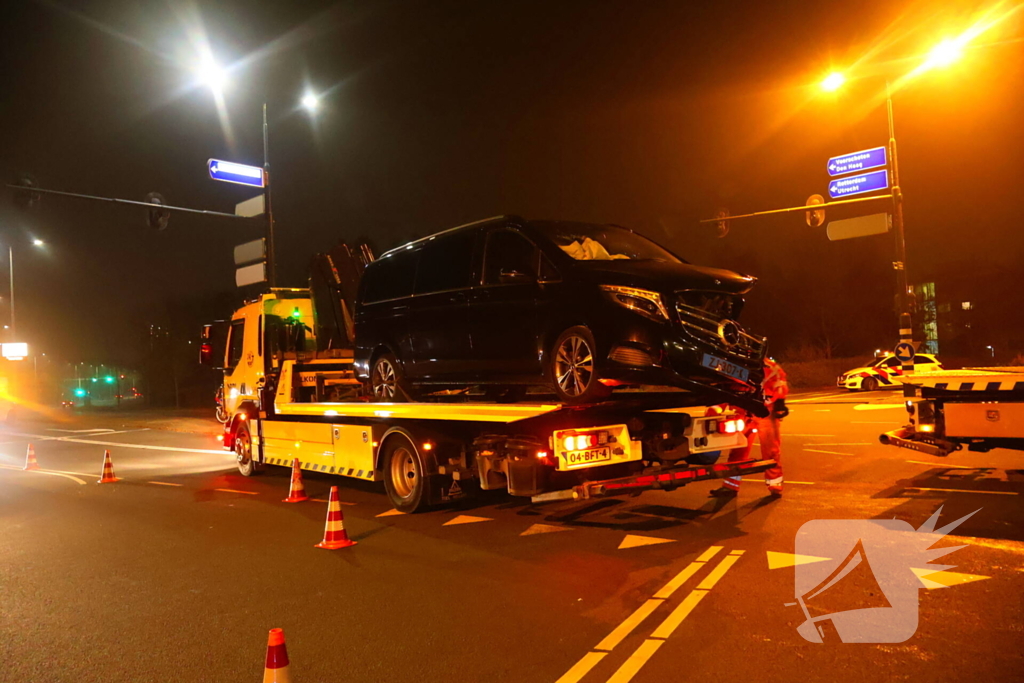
x,y
904,352
857,161
858,184
230,172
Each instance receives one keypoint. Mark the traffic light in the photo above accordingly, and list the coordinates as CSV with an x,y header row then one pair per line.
x,y
108,379
80,392
157,218
24,195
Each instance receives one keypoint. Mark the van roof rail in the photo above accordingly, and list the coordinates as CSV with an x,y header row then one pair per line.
x,y
445,232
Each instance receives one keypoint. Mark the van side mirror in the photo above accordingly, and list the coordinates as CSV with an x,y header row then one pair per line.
x,y
510,276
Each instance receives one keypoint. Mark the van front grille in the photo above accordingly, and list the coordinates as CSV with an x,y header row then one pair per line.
x,y
708,316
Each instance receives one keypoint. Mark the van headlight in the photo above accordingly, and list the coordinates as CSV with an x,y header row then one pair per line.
x,y
642,301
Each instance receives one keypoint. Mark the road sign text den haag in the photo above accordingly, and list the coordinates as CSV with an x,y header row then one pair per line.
x,y
857,161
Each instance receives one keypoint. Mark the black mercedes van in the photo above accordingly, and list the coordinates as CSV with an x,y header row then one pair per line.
x,y
506,303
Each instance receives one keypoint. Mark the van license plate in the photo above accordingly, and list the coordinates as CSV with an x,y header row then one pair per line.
x,y
587,457
726,368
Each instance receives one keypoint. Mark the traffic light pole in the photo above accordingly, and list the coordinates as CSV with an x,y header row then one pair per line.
x,y
902,283
271,266
10,262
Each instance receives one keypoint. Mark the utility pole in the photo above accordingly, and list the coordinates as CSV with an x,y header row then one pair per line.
x,y
902,282
271,280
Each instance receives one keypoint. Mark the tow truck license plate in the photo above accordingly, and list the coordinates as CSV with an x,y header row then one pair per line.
x,y
590,456
726,368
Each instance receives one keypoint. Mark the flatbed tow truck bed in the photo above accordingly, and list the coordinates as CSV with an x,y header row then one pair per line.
x,y
980,408
431,453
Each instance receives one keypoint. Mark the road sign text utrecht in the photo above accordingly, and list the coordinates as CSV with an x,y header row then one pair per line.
x,y
231,172
857,161
858,184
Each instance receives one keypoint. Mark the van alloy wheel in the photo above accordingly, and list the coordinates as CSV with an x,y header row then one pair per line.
x,y
574,365
384,380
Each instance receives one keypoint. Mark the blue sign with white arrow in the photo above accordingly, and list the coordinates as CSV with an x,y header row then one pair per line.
x,y
858,184
857,161
904,352
230,172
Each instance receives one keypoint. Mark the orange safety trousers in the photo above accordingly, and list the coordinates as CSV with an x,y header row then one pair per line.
x,y
767,430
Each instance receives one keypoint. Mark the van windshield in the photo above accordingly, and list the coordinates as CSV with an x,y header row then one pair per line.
x,y
585,242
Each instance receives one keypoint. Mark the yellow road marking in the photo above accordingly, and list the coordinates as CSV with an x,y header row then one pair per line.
x,y
862,443
636,661
931,578
248,493
779,560
737,552
669,588
708,554
718,572
805,483
673,620
582,667
812,450
627,626
994,493
164,483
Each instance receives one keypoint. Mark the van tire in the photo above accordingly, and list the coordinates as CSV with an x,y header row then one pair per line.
x,y
387,384
572,369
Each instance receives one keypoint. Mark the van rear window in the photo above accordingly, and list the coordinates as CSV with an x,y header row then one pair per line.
x,y
446,263
390,277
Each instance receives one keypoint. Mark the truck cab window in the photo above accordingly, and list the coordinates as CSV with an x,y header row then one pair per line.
x,y
235,343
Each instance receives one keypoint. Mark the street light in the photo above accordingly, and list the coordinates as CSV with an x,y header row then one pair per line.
x,y
310,102
943,54
38,243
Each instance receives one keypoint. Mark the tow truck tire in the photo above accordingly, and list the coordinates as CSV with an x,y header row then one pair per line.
x,y
403,475
572,368
247,467
869,384
387,384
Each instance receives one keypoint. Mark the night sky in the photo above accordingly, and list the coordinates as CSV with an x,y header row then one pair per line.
x,y
646,114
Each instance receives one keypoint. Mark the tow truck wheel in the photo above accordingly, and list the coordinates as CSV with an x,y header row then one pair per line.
x,y
243,452
386,382
869,384
403,474
573,374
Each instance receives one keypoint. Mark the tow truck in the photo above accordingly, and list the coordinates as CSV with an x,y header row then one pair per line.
x,y
291,394
980,408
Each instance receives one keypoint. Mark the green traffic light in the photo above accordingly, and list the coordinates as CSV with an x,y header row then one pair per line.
x,y
108,379
296,313
79,392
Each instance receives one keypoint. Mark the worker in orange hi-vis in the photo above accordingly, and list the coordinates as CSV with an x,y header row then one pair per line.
x,y
775,388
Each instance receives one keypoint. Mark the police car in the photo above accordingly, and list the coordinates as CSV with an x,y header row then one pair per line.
x,y
885,371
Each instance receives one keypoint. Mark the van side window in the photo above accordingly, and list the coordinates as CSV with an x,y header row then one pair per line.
x,y
508,251
446,263
548,272
235,343
390,277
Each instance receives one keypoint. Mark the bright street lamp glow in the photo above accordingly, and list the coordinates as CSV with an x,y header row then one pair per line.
x,y
310,102
212,75
945,53
38,243
833,82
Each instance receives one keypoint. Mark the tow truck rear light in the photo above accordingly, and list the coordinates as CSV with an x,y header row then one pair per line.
x,y
731,426
579,442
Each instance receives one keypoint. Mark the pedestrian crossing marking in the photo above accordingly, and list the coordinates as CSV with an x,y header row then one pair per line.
x,y
634,541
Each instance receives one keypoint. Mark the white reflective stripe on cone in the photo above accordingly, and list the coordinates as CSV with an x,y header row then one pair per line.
x,y
773,482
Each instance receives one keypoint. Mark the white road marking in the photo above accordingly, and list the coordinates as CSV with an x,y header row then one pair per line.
x,y
944,465
814,450
787,481
119,444
879,406
862,443
55,474
466,519
993,493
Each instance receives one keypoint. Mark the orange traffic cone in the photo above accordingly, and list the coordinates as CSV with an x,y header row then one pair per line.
x,y
108,470
297,492
276,669
30,459
335,536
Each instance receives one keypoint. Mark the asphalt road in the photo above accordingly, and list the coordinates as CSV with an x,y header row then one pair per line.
x,y
178,571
